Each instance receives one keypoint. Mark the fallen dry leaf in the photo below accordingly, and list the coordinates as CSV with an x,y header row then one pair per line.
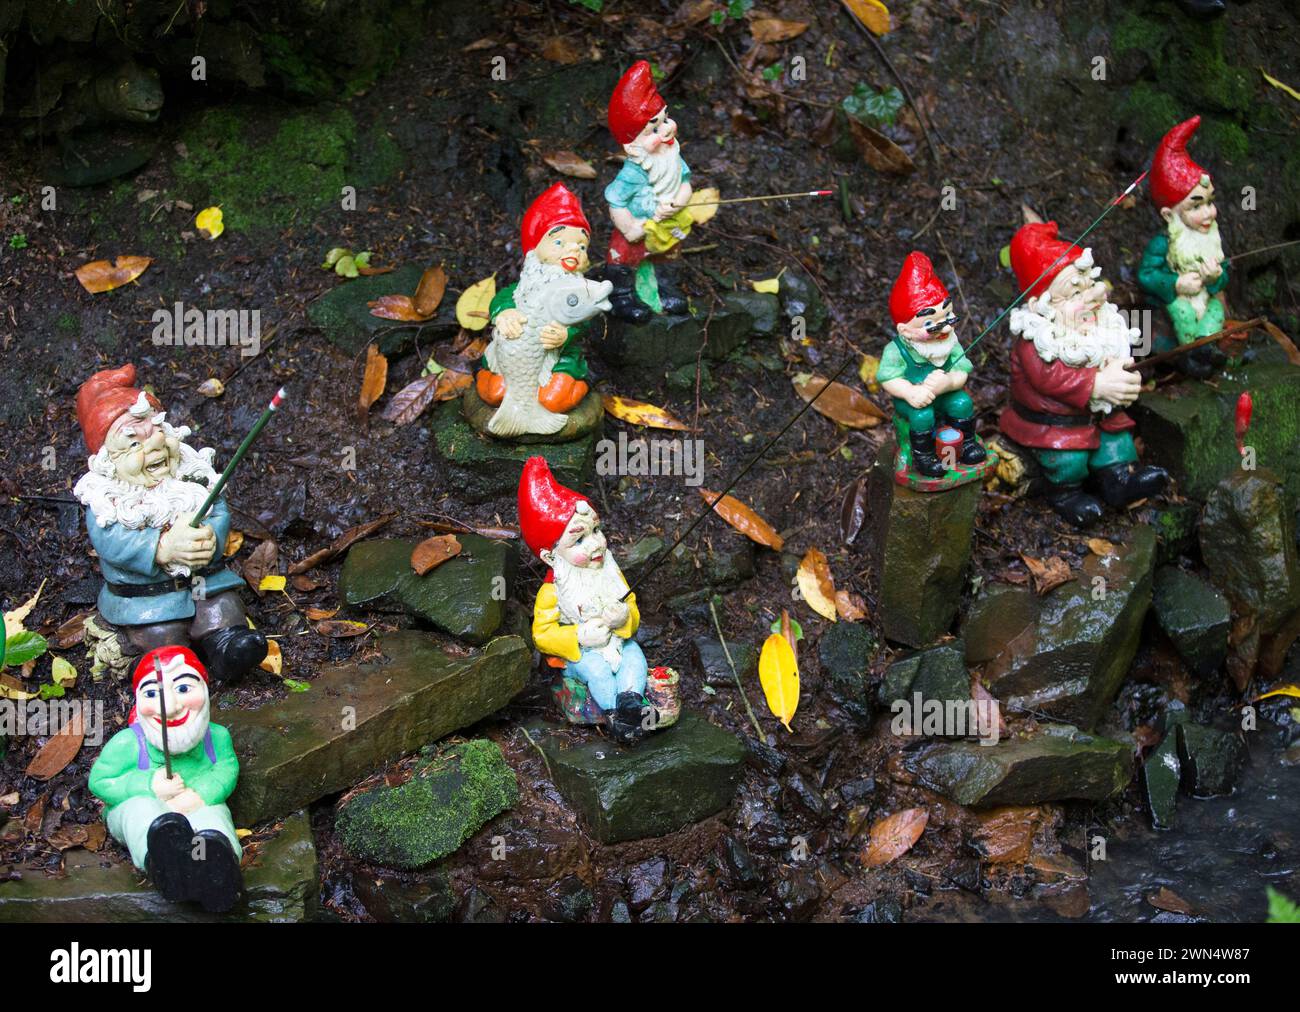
x,y
234,542
640,413
102,276
410,402
274,659
339,544
396,307
319,614
560,50
429,293
841,404
816,585
850,606
1047,575
1166,899
776,30
474,302
570,163
72,632
894,835
1006,835
375,379
1100,546
744,519
258,564
340,628
433,552
58,750
872,13
879,151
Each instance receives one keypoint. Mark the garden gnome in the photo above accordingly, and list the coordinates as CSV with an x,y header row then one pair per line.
x,y
581,614
1183,267
648,198
924,369
164,581
177,827
1069,379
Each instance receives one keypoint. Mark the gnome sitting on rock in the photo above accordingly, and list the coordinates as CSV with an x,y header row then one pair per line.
x,y
165,779
164,582
580,615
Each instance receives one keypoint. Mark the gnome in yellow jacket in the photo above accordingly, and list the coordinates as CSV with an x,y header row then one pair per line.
x,y
581,615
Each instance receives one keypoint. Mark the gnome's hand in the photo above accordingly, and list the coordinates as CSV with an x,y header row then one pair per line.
x,y
665,209
615,616
165,788
1116,385
189,546
185,802
634,232
554,335
593,633
1189,283
511,323
920,396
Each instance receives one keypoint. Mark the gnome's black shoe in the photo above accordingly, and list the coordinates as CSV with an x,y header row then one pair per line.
x,y
971,451
625,719
623,302
672,300
1204,9
230,653
1074,505
213,878
1121,484
1201,363
168,855
924,460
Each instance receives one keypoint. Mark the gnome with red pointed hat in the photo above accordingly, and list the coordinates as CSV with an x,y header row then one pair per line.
x,y
1183,267
164,581
584,614
924,369
165,779
651,190
1069,384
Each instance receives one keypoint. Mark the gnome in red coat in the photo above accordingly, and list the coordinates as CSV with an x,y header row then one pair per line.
x,y
1069,381
1183,268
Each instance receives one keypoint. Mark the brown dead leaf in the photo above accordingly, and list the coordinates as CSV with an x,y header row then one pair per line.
x,y
234,542
986,703
872,13
433,552
320,614
340,628
1100,546
102,276
410,402
894,835
775,30
1166,899
816,585
640,413
569,163
305,584
339,544
274,659
744,519
396,307
879,151
429,293
1049,574
851,606
1006,835
375,379
841,404
561,50
58,750
72,632
259,564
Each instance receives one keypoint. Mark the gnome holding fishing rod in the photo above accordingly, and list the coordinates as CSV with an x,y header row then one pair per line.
x,y
584,619
164,581
1072,378
1183,267
165,779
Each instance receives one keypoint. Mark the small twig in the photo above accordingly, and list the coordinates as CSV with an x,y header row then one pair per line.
x,y
546,762
965,307
734,673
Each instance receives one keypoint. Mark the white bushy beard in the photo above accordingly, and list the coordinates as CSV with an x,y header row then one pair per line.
x,y
664,168
136,507
1191,251
582,593
535,278
179,739
935,352
1109,338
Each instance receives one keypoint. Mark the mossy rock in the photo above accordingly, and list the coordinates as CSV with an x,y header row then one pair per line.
x,y
1194,616
344,317
583,420
445,802
845,651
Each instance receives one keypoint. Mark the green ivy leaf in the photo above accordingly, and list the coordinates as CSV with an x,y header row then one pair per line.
x,y
874,108
773,72
23,647
293,685
53,691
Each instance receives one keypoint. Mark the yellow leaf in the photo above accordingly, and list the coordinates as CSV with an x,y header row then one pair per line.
x,y
274,659
241,833
270,582
872,13
1281,690
770,286
375,379
212,387
14,619
814,579
472,306
703,204
867,371
779,675
102,276
640,413
11,688
63,672
209,222
1279,85
234,542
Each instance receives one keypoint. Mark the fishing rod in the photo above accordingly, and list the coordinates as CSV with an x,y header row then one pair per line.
x,y
770,196
162,709
1200,342
1262,249
271,408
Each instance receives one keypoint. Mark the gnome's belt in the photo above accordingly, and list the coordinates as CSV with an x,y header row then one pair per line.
x,y
164,586
1045,418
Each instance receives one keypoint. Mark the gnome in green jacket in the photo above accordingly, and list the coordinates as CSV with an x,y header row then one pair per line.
x,y
165,779
1183,268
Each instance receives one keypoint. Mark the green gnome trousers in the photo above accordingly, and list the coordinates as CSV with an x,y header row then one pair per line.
x,y
1187,327
129,823
1071,467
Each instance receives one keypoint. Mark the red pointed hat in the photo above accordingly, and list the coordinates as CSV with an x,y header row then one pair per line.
x,y
165,656
103,398
916,288
1173,173
1035,248
634,103
557,206
545,506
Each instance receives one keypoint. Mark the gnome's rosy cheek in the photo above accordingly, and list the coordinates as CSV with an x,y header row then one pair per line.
x,y
146,703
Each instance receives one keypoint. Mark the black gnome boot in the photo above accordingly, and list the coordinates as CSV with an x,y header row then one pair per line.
x,y
167,856
971,451
625,719
1121,484
924,460
623,301
1074,504
230,653
672,300
1203,9
214,880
